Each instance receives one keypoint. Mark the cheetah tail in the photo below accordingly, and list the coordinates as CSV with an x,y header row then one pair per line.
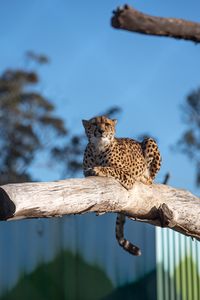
x,y
125,244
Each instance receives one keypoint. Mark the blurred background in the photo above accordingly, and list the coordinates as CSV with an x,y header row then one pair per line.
x,y
61,62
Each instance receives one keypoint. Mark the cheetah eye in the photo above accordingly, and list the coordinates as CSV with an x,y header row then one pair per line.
x,y
107,124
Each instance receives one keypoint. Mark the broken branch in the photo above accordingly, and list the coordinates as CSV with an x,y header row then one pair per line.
x,y
128,18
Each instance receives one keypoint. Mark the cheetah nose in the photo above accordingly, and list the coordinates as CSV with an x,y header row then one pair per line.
x,y
100,130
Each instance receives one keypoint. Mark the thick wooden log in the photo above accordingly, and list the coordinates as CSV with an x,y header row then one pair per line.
x,y
128,18
157,204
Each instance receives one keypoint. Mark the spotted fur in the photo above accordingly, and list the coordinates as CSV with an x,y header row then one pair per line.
x,y
125,159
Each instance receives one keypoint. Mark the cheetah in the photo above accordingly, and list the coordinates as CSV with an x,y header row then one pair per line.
x,y
124,159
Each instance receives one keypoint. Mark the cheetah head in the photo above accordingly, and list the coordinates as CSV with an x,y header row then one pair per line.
x,y
100,130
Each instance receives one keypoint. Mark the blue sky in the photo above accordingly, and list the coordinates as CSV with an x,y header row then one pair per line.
x,y
94,67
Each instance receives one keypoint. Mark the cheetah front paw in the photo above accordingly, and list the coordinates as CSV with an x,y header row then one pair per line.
x,y
146,180
89,172
96,171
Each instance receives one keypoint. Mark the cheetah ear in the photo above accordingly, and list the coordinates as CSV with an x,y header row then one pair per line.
x,y
114,121
85,123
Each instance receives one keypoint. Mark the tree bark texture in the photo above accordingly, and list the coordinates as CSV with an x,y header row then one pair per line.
x,y
128,18
157,204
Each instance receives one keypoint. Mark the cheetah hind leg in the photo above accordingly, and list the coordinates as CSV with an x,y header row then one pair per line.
x,y
152,157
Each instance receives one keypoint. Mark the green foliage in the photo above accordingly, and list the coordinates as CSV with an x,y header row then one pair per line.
x,y
68,276
181,283
186,279
190,140
142,289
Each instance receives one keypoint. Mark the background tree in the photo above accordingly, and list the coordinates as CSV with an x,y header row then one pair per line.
x,y
28,124
29,127
189,143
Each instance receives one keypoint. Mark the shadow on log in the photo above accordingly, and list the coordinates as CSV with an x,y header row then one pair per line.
x,y
7,207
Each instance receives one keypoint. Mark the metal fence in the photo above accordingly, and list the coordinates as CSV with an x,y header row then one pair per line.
x,y
178,266
75,258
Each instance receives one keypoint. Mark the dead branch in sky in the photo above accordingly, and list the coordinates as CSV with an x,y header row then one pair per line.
x,y
128,18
